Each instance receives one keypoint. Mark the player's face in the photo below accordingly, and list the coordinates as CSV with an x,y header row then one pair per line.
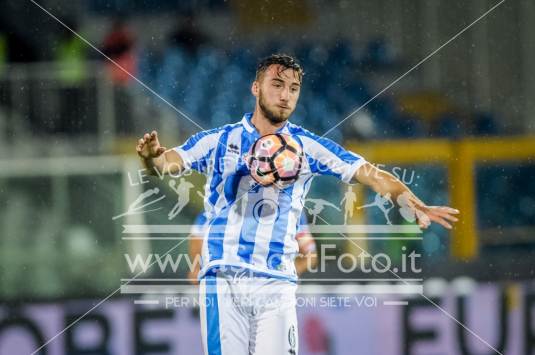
x,y
278,92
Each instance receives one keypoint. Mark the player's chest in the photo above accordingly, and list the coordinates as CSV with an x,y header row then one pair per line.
x,y
230,159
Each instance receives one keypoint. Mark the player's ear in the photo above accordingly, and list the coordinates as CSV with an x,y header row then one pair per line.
x,y
254,88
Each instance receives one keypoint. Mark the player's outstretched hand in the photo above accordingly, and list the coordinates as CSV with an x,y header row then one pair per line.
x,y
149,146
442,215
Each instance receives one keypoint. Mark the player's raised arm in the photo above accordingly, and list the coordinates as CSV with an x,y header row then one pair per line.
x,y
157,159
383,183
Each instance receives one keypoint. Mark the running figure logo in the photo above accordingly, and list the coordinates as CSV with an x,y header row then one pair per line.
x,y
350,198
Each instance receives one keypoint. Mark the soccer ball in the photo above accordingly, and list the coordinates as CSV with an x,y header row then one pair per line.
x,y
275,159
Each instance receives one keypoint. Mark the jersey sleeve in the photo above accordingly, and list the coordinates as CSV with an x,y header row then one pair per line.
x,y
196,151
325,157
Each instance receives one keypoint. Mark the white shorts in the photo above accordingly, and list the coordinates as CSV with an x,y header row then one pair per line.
x,y
244,315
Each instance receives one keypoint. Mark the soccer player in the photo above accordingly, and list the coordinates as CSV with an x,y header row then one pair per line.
x,y
247,287
307,258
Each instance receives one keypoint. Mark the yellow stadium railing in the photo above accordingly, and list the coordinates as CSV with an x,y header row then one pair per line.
x,y
460,158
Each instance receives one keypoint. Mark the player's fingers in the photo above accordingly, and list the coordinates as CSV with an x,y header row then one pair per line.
x,y
422,224
423,219
416,205
441,221
161,150
146,137
449,217
450,210
153,138
269,179
445,215
445,224
446,209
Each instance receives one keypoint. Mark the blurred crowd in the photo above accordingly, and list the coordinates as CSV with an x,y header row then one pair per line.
x,y
211,83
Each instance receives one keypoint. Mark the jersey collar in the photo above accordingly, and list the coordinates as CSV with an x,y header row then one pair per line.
x,y
249,127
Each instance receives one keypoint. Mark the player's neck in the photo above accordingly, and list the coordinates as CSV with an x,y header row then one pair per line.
x,y
263,125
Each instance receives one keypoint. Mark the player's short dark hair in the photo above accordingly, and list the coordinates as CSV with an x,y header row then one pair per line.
x,y
284,60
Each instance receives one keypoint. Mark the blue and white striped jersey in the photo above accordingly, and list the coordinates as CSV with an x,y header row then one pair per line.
x,y
200,225
251,226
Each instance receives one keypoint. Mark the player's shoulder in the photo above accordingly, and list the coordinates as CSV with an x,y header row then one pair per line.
x,y
297,130
315,144
302,133
219,130
229,127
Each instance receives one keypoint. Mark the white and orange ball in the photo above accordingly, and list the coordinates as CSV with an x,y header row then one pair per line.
x,y
275,159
